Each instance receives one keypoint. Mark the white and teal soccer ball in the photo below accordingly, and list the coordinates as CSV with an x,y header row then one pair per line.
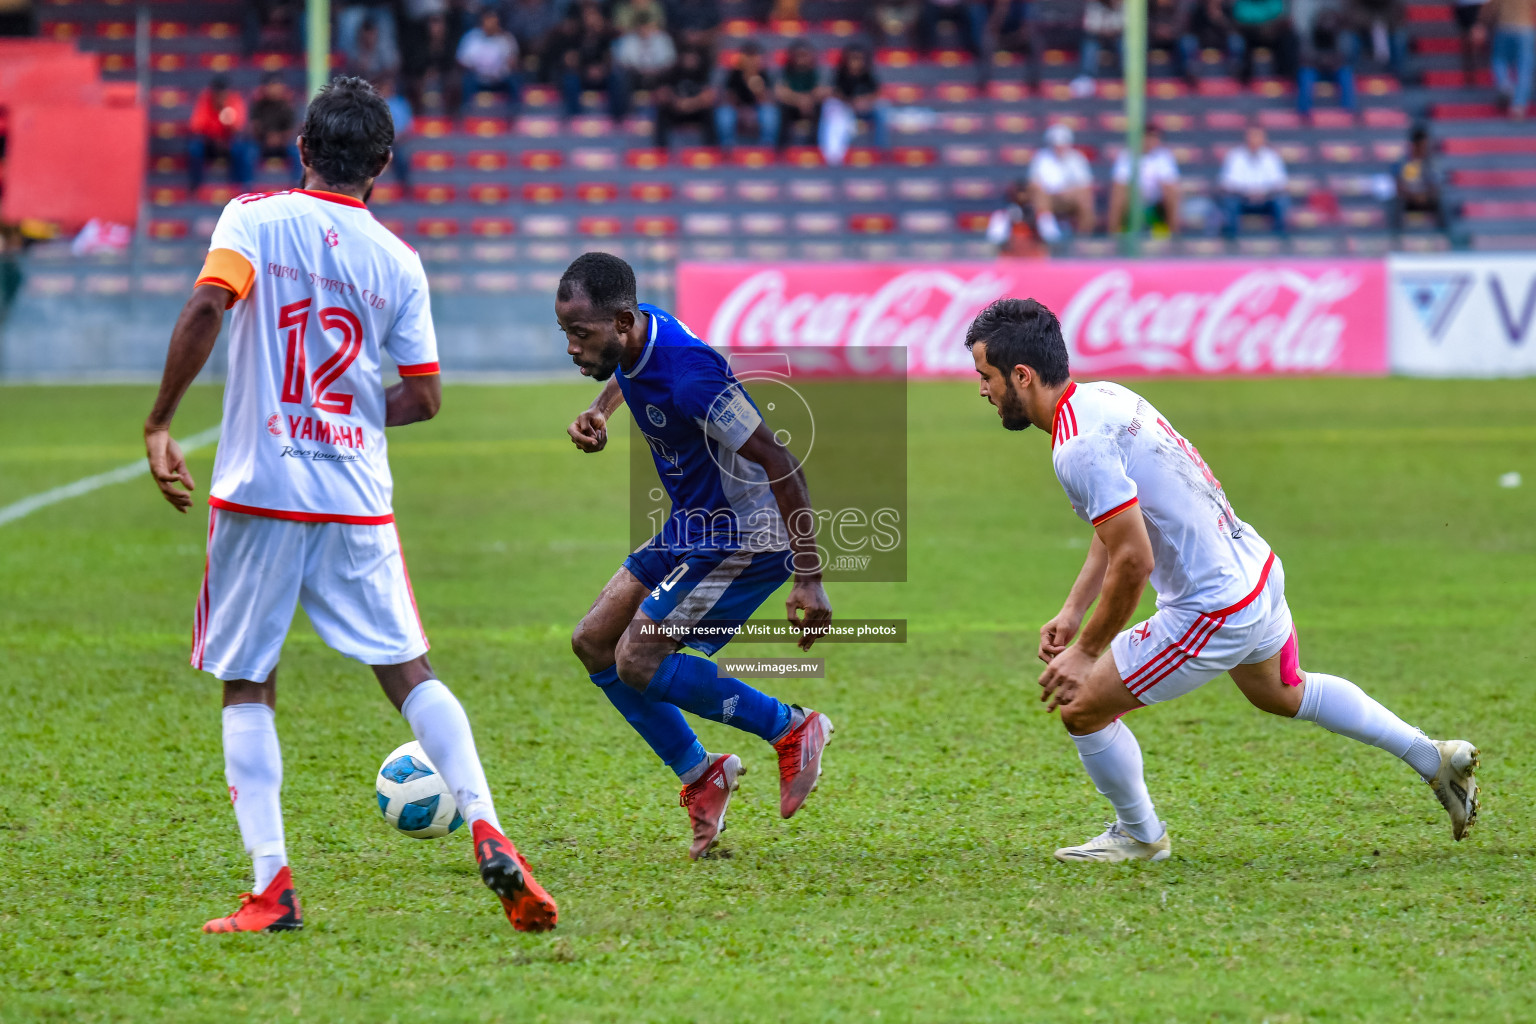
x,y
413,797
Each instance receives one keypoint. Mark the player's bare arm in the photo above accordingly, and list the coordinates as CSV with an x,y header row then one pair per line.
x,y
589,431
192,343
1059,632
413,400
1127,567
808,606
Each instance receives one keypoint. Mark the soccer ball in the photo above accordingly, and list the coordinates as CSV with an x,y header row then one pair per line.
x,y
413,797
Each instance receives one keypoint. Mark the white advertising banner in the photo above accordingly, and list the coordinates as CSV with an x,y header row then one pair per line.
x,y
1462,315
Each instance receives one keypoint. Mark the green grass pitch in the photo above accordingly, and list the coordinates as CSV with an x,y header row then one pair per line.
x,y
1312,878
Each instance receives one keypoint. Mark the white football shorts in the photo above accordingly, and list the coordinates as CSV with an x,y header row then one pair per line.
x,y
351,580
1179,650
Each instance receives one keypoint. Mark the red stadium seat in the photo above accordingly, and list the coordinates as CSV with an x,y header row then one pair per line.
x,y
599,227
1018,156
433,194
902,93
656,226
1489,145
543,192
974,220
892,58
492,227
218,62
274,61
486,127
1007,92
541,159
651,191
432,160
872,223
167,195
168,230
955,92
1499,209
1492,179
114,30
387,192
914,156
1167,89
752,156
489,193
701,158
805,157
967,155
437,227
487,159
220,30
1476,111
1014,124
164,30
217,195
646,159
862,156
962,123
597,192
433,127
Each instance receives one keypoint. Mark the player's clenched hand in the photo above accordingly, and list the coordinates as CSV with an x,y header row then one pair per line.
x,y
1063,677
169,468
590,431
1057,634
810,598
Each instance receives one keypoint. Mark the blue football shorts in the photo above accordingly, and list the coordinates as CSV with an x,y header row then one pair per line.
x,y
702,596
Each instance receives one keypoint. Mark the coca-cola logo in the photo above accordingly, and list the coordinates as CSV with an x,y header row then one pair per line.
x,y
1282,319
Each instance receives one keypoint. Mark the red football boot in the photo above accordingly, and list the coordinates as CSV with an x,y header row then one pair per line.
x,y
800,760
275,910
706,798
506,873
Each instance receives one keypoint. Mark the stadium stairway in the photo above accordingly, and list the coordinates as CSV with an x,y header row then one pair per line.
x,y
499,203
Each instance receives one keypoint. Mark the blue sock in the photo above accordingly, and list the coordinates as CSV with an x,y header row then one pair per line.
x,y
660,725
694,684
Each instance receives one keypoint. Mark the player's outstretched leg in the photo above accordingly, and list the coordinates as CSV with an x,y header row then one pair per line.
x,y
438,720
253,768
799,735
1278,685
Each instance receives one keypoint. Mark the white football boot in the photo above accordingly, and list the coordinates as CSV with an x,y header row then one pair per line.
x,y
1455,786
1114,845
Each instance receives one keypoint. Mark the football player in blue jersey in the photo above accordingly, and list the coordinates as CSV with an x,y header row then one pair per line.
x,y
741,524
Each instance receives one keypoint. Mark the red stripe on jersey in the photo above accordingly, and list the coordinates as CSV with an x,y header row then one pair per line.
x,y
301,517
1167,652
1107,516
1212,626
400,545
1058,422
1245,602
418,370
251,197
332,197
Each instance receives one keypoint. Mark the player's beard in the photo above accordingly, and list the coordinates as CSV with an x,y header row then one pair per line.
x,y
607,360
1012,409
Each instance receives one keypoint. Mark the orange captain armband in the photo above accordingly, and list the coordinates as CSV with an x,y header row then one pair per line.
x,y
228,269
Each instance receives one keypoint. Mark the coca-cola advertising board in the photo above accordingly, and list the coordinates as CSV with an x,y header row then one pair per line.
x,y
1120,319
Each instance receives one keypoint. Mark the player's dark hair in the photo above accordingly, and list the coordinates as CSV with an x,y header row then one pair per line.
x,y
607,282
1016,331
347,132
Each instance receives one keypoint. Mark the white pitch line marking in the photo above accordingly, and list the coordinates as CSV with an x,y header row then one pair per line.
x,y
139,467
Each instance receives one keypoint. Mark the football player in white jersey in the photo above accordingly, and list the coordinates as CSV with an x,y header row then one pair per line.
x,y
301,494
1159,515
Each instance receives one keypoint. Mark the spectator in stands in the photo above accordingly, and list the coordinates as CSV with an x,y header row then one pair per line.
x,y
369,58
1061,185
1103,29
1472,25
890,21
218,128
531,22
1012,229
1325,54
273,123
1157,183
1253,180
431,60
351,17
694,23
404,120
800,93
1514,52
1211,28
488,54
1014,26
1265,23
1383,26
967,16
1167,28
854,85
750,107
687,98
1418,184
581,49
627,15
643,58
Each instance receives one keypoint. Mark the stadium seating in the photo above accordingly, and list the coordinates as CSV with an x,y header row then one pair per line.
x,y
527,192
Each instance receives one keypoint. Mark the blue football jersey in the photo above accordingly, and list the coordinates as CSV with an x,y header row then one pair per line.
x,y
694,414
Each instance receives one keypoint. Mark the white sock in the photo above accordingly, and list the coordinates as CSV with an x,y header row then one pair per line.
x,y
253,767
1340,706
1113,759
696,773
441,727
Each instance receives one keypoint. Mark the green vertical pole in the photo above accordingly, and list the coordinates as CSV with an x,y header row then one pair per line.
x,y
1135,116
319,30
